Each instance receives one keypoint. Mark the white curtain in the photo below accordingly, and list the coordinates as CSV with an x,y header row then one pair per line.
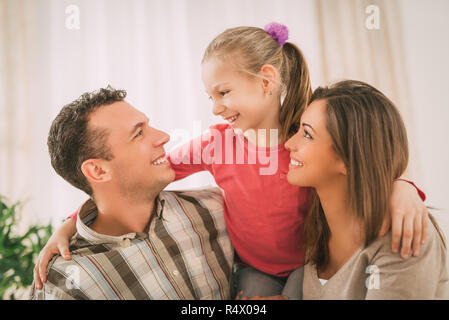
x,y
153,50
403,54
363,40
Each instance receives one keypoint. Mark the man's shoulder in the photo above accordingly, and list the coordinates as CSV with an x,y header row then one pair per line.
x,y
62,280
73,279
206,194
203,202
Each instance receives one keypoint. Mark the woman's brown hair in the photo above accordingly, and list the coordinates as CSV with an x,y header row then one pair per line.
x,y
249,48
369,136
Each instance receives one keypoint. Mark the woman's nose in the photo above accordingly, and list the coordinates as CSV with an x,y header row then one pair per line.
x,y
290,144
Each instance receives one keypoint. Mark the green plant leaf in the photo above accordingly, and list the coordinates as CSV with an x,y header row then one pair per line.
x,y
18,253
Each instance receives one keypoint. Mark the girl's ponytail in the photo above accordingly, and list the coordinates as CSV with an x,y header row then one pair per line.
x,y
298,89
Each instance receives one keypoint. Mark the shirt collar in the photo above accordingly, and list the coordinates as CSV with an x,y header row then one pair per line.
x,y
87,214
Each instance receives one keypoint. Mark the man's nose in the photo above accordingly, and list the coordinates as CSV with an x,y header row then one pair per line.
x,y
161,138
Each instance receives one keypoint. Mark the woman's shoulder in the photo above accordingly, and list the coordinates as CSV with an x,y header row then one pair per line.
x,y
418,277
434,247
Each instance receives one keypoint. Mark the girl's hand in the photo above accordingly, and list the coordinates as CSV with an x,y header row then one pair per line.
x,y
408,217
57,244
279,297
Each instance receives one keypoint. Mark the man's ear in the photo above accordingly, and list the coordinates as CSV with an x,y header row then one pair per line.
x,y
96,170
270,77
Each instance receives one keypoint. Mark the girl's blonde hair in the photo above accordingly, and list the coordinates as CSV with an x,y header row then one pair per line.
x,y
249,48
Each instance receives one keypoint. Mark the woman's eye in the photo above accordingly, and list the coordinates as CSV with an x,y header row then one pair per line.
x,y
307,135
224,92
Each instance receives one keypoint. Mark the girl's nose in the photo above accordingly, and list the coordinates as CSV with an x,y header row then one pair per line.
x,y
218,108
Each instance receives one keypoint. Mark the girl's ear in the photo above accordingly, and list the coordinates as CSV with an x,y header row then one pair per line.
x,y
270,78
96,170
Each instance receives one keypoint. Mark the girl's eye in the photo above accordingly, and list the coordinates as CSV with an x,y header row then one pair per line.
x,y
224,92
139,133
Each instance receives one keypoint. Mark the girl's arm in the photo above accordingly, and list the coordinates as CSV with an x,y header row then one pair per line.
x,y
194,156
407,218
57,244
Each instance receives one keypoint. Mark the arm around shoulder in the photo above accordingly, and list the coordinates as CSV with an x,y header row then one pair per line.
x,y
421,277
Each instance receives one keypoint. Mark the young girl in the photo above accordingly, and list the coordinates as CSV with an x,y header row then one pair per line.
x,y
260,85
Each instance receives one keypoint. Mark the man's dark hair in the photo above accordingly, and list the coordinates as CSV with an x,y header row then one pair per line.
x,y
71,141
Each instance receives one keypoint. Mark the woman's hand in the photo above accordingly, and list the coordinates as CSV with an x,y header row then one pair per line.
x,y
279,297
408,219
57,244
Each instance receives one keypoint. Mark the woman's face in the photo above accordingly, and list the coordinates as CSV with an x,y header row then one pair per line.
x,y
314,161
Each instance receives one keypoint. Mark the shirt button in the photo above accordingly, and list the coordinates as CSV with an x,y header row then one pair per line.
x,y
176,273
126,243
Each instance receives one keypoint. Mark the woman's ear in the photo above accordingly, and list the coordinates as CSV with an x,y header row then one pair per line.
x,y
342,168
96,170
270,78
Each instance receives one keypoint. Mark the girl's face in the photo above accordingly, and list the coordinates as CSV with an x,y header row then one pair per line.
x,y
313,159
238,98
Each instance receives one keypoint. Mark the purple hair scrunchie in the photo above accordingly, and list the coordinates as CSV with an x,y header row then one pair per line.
x,y
278,32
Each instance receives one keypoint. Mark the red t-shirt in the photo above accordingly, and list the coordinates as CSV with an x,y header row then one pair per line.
x,y
263,212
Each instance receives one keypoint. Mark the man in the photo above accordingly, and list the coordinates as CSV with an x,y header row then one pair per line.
x,y
133,240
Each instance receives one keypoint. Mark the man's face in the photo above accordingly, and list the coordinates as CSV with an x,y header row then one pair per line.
x,y
139,166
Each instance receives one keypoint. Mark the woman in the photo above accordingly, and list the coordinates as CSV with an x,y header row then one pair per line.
x,y
350,147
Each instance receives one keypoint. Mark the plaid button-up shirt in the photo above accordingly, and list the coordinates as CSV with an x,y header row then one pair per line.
x,y
186,254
